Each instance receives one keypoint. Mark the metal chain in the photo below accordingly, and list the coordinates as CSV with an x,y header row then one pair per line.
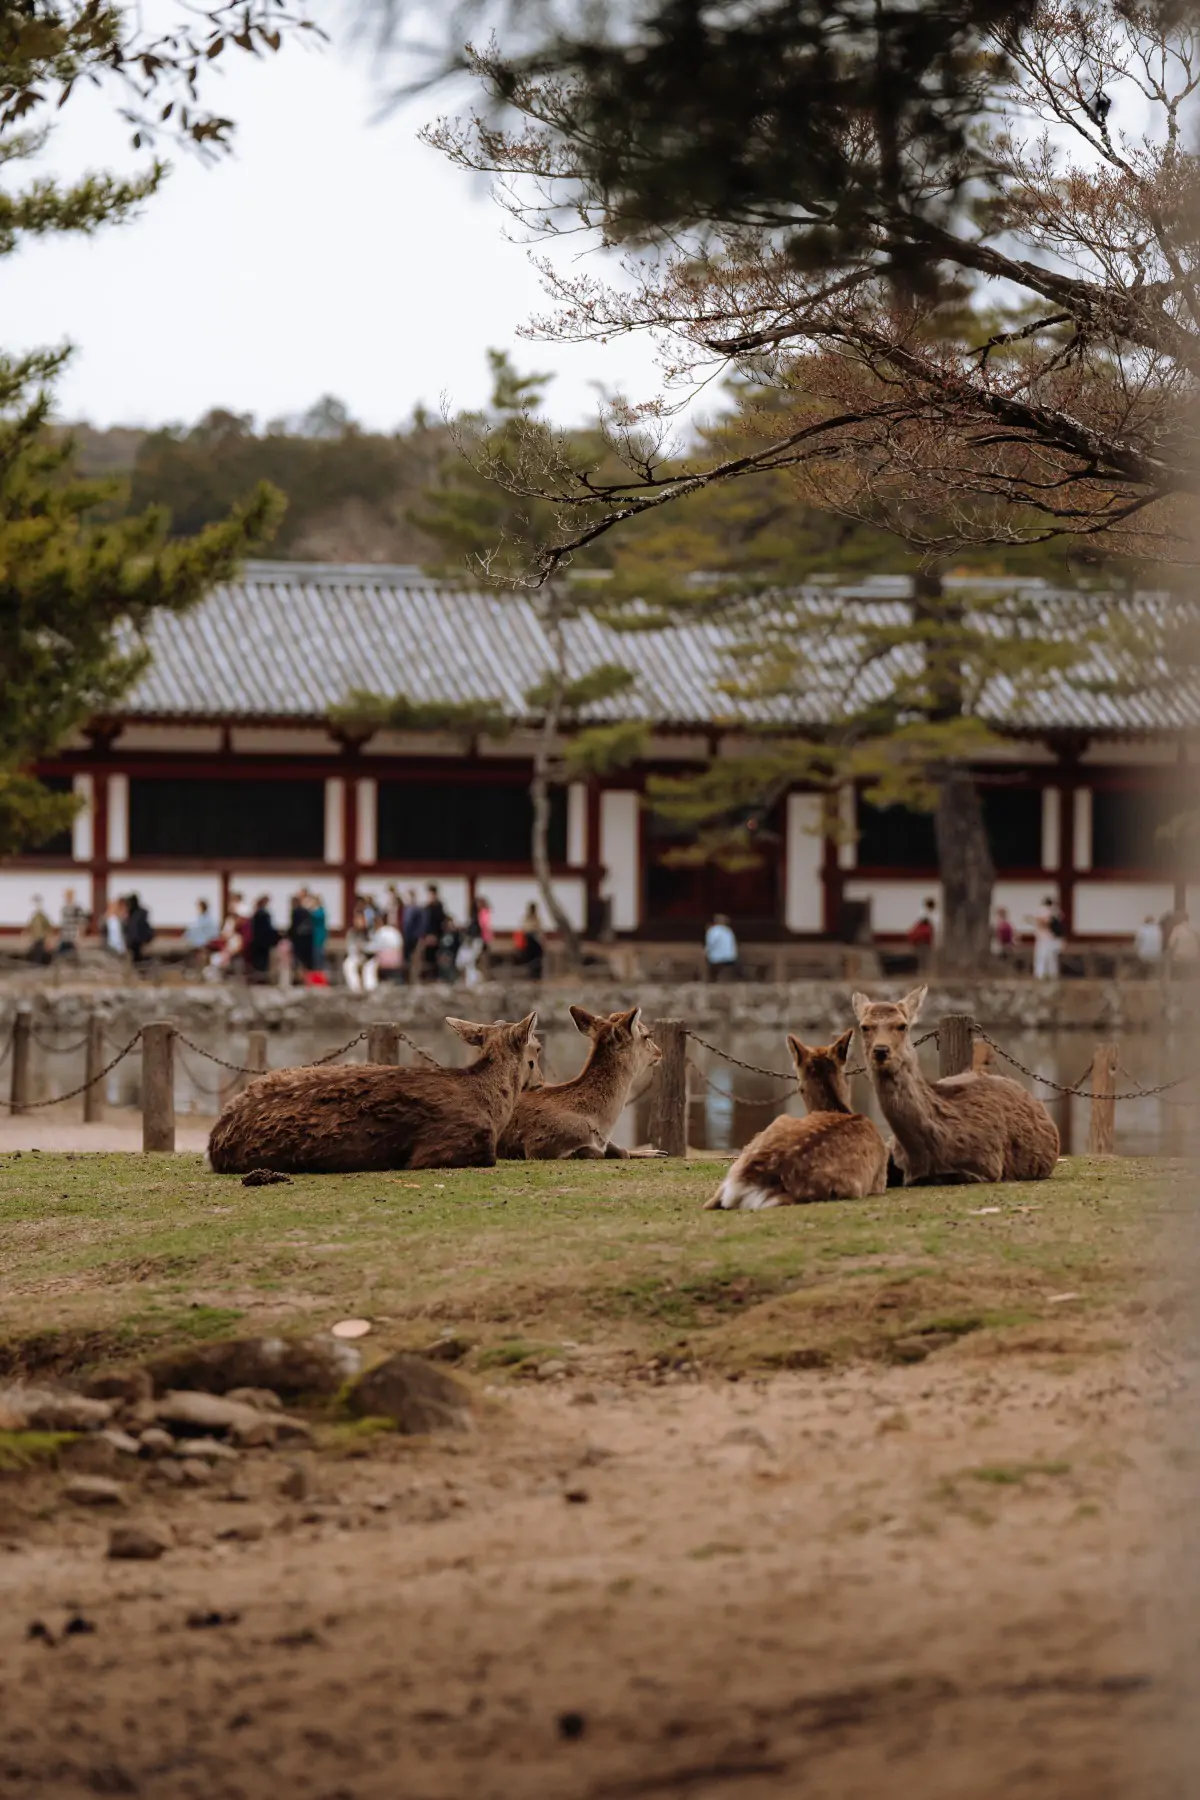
x,y
219,1092
1079,1091
405,1039
334,1054
7,1050
33,1105
737,1100
754,1068
245,1069
58,1049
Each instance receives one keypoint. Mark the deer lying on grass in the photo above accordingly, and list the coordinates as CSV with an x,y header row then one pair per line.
x,y
832,1154
964,1128
577,1118
334,1120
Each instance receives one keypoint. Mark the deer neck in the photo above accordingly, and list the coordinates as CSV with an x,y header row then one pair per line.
x,y
822,1096
602,1086
496,1083
909,1104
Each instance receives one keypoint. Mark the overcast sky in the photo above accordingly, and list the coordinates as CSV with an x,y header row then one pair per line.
x,y
329,254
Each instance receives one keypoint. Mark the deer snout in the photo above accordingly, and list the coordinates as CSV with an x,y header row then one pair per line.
x,y
881,1053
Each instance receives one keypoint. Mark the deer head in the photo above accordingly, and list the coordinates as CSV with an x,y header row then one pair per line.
x,y
821,1072
503,1042
622,1035
884,1025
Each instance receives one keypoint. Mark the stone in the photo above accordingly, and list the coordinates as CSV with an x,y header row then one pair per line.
x,y
264,1399
154,1441
413,1393
168,1470
247,1531
296,1484
127,1386
94,1490
122,1442
194,1472
138,1543
208,1450
292,1431
255,1433
749,1435
290,1367
89,1454
204,1414
54,1409
548,1371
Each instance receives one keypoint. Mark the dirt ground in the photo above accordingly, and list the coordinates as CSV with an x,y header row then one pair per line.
x,y
913,1581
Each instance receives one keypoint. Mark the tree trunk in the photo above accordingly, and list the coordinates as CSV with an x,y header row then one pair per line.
x,y
965,865
964,857
539,793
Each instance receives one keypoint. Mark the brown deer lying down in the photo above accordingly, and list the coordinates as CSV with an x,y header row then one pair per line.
x,y
331,1120
832,1154
577,1118
969,1127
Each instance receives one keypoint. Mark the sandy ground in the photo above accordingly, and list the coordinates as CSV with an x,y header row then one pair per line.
x,y
55,1128
909,1582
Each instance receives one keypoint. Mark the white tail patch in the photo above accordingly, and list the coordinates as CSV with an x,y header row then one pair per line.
x,y
736,1195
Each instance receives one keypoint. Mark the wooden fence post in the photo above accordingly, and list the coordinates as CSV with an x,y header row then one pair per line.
x,y
955,1035
256,1054
1104,1106
669,1107
93,1093
22,1037
158,1086
383,1044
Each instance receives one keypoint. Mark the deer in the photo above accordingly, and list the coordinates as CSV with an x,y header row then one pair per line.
x,y
576,1118
833,1153
973,1127
336,1120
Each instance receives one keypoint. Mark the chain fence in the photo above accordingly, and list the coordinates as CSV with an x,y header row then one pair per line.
x,y
24,1106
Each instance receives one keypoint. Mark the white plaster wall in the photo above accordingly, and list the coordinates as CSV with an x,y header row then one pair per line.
x,y
1112,756
277,740
847,850
280,888
1083,828
17,891
511,894
1021,899
1117,908
620,854
169,899
577,824
415,743
368,817
196,738
895,905
118,818
81,824
804,902
454,889
335,820
1051,827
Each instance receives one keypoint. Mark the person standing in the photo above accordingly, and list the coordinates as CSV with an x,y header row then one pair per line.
x,y
320,930
1003,936
389,951
1183,950
38,933
300,931
528,949
1148,944
71,921
263,939
1047,939
721,949
201,935
410,928
114,928
433,923
137,929
360,970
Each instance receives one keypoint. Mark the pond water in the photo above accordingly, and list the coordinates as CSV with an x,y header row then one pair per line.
x,y
728,1103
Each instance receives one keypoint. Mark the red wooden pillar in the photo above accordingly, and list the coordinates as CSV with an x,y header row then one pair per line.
x,y
350,847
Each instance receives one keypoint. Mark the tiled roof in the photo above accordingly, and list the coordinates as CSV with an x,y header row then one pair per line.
x,y
289,641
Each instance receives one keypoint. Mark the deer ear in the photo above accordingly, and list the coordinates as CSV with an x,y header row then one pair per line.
x,y
860,1003
522,1031
912,1003
469,1033
584,1020
798,1051
628,1020
841,1046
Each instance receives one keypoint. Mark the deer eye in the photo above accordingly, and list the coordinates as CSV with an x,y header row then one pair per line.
x,y
902,1028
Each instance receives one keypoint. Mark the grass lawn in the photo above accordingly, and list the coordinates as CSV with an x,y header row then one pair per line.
x,y
105,1256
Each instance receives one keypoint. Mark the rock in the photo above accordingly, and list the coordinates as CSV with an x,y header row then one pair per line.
x,y
750,1435
154,1441
288,1366
450,1347
263,1399
53,1409
89,1454
203,1450
292,1431
140,1415
415,1394
265,1178
194,1472
204,1414
296,1484
256,1433
94,1490
248,1531
127,1386
549,1371
138,1543
121,1441
168,1471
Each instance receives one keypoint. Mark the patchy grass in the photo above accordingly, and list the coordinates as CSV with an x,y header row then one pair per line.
x,y
608,1264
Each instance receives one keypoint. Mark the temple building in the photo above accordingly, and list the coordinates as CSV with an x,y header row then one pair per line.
x,y
223,771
